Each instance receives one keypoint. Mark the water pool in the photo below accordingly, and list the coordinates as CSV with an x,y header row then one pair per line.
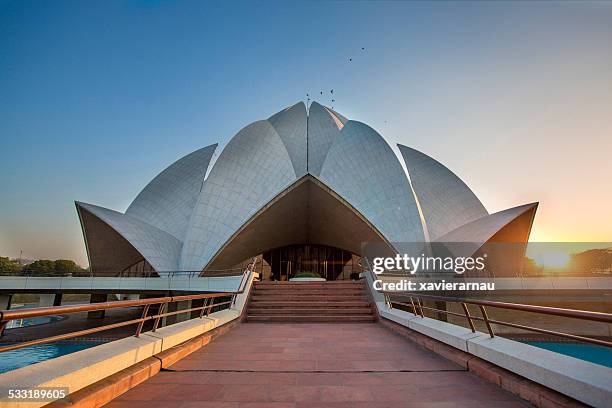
x,y
11,360
32,321
588,352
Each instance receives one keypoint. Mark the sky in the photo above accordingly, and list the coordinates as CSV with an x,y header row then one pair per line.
x,y
96,98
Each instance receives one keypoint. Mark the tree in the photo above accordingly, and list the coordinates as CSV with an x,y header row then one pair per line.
x,y
8,266
67,266
42,266
531,268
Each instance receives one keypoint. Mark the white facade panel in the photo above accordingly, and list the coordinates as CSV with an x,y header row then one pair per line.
x,y
362,168
168,200
290,124
468,238
323,130
158,247
251,170
445,200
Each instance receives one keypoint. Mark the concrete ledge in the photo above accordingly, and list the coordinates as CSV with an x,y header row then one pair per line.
x,y
86,367
450,334
80,369
587,382
119,284
497,358
396,315
536,394
102,392
450,353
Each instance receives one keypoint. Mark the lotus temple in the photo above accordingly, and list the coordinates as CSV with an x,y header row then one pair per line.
x,y
303,190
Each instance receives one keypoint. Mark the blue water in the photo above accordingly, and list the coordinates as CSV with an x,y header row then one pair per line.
x,y
588,352
32,321
10,360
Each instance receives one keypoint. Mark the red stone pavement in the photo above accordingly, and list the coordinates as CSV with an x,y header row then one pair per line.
x,y
314,365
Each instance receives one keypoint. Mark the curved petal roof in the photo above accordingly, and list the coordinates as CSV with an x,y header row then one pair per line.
x,y
158,247
323,129
290,124
362,168
168,200
445,200
476,233
251,170
183,219
482,229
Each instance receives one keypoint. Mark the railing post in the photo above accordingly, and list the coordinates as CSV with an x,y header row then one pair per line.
x,y
3,324
486,319
421,308
468,316
204,306
162,309
414,310
145,311
210,306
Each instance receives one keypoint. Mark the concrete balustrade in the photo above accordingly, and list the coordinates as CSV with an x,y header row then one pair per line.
x,y
86,367
584,381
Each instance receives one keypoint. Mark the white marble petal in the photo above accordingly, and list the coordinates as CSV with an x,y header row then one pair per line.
x,y
290,124
445,200
168,200
323,129
482,229
158,247
362,168
251,170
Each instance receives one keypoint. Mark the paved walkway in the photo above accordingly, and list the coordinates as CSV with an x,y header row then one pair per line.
x,y
314,365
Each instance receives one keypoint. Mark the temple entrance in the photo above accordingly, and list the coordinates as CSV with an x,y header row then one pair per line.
x,y
327,262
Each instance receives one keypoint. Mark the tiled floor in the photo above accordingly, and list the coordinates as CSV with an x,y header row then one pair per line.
x,y
314,365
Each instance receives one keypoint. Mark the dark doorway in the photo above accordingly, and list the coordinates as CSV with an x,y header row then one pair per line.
x,y
331,263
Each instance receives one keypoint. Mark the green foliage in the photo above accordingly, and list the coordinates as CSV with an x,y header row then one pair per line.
x,y
592,262
531,268
6,265
48,267
307,275
45,266
41,267
67,266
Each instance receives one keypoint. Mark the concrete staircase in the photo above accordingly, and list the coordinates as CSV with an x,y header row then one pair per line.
x,y
309,302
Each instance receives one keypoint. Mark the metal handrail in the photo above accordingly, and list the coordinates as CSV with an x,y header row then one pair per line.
x,y
125,274
418,307
209,303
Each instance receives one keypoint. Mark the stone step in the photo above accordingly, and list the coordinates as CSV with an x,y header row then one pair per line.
x,y
272,286
332,283
311,318
306,311
321,298
325,283
309,292
268,286
307,304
